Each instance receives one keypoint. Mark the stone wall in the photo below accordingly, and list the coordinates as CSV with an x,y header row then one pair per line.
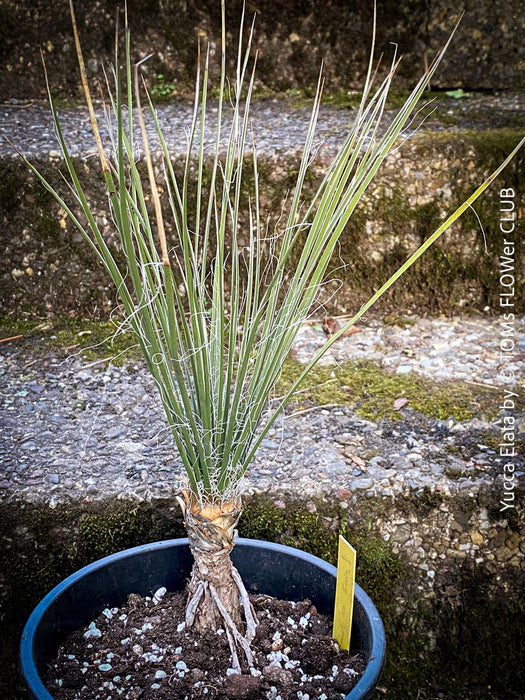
x,y
292,39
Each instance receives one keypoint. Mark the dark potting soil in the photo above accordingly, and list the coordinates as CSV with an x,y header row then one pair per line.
x,y
143,650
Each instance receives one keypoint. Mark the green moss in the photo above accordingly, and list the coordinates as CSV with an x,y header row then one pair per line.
x,y
363,386
442,280
486,150
96,339
444,277
371,392
454,474
115,528
300,97
303,97
42,195
407,650
378,569
47,226
394,319
293,525
67,335
414,666
475,647
421,503
41,546
56,542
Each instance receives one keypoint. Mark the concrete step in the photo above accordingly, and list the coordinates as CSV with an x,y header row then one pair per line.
x,y
47,269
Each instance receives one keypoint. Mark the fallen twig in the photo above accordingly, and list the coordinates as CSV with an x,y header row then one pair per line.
x,y
13,337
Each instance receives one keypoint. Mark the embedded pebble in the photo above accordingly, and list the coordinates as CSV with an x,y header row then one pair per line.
x,y
158,595
92,631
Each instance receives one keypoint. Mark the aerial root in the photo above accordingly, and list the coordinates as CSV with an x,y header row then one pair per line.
x,y
241,641
193,604
249,612
235,638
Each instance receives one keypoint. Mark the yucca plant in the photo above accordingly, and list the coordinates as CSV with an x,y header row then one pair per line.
x,y
216,320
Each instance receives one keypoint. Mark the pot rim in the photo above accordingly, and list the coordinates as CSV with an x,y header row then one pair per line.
x,y
31,674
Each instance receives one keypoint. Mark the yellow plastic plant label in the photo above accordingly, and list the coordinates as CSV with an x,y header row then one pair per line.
x,y
344,593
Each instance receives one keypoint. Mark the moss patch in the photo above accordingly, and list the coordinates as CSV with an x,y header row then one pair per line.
x,y
378,569
68,335
52,543
371,392
426,646
41,546
363,386
296,526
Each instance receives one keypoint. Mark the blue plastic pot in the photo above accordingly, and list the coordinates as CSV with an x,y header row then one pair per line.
x,y
265,567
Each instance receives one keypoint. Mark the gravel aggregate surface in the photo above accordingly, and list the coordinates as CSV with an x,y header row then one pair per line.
x,y
74,429
279,126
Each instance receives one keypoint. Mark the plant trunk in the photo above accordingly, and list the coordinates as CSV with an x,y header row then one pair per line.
x,y
211,533
214,568
217,597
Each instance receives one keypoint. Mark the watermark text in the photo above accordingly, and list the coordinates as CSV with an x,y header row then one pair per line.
x,y
507,343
